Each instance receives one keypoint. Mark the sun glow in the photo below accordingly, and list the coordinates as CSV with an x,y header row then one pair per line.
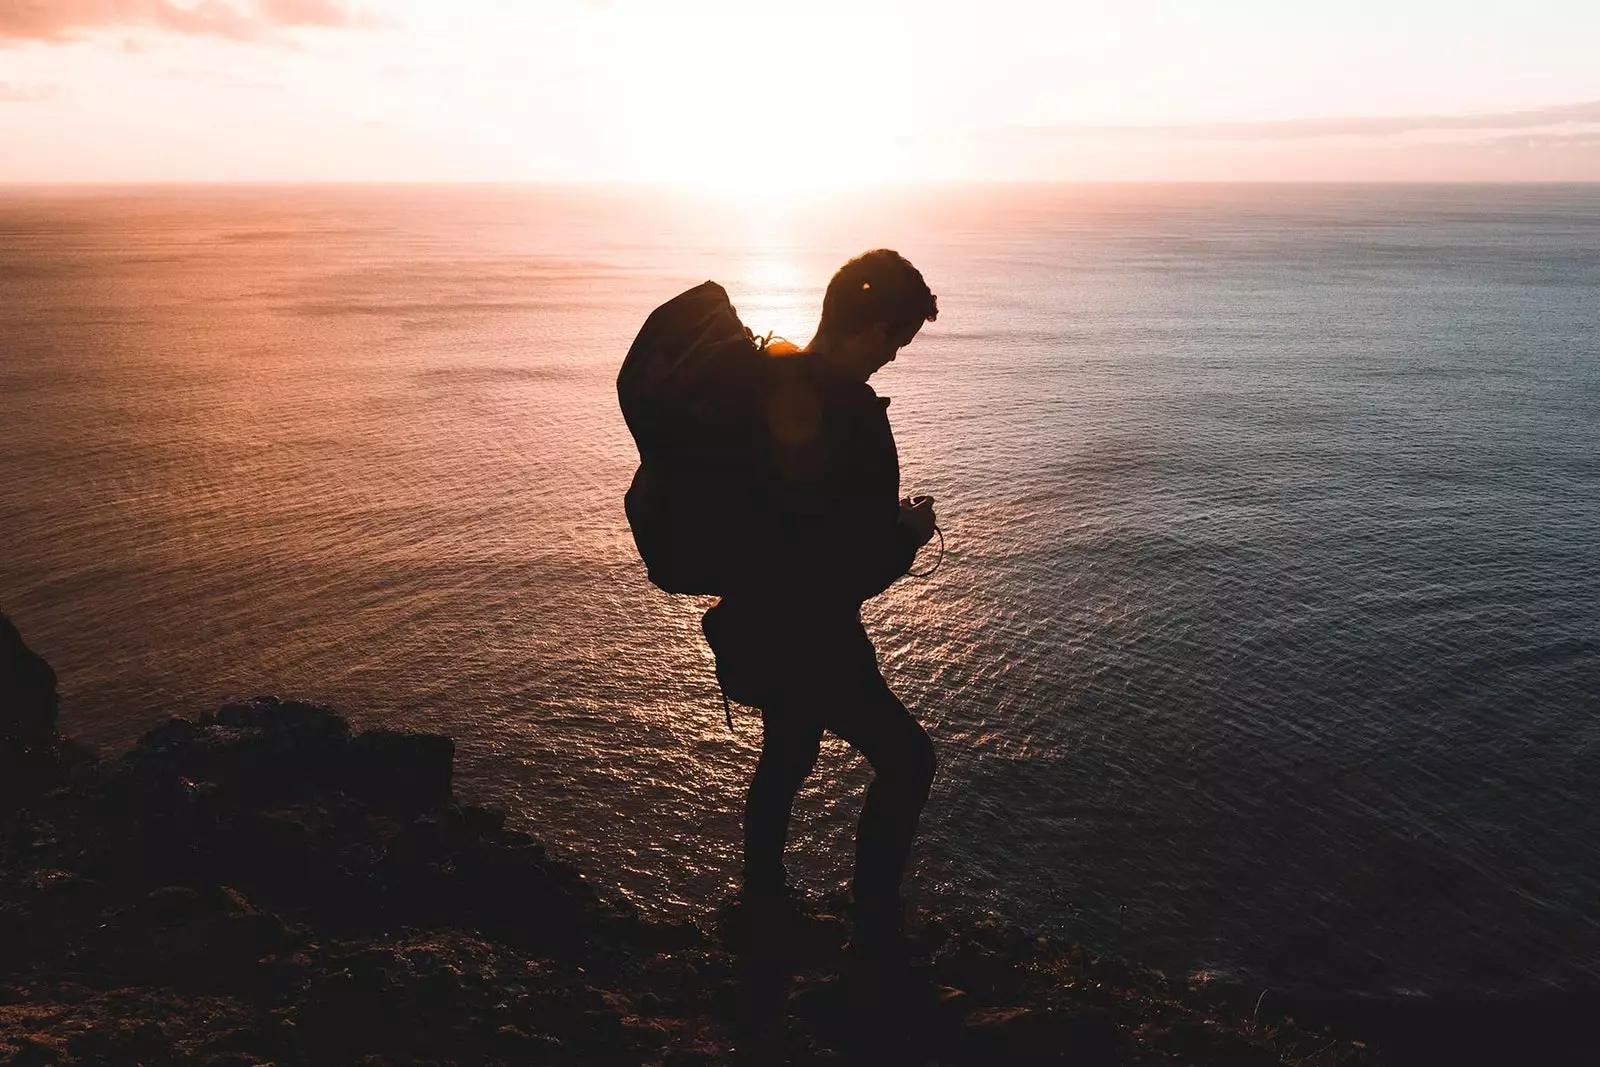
x,y
764,102
774,296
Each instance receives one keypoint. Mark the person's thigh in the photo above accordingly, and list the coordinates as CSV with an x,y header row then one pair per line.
x,y
873,721
835,684
790,741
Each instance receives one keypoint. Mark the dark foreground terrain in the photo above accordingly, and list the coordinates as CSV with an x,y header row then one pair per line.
x,y
259,886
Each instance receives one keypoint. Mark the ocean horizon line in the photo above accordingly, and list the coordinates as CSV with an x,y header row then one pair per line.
x,y
868,186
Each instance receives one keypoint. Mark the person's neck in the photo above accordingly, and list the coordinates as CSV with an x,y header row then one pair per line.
x,y
823,349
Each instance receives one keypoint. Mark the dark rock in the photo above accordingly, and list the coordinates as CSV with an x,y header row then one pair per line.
x,y
483,822
1545,1026
534,1050
263,750
28,701
401,773
34,759
1026,1036
206,938
977,968
54,896
168,906
256,886
276,842
292,718
31,1053
48,911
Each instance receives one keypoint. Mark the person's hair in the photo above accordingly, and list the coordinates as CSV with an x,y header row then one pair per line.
x,y
876,287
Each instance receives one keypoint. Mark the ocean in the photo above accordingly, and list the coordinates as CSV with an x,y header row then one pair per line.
x,y
1267,639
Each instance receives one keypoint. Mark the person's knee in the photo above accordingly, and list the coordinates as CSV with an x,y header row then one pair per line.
x,y
789,763
805,758
913,767
924,763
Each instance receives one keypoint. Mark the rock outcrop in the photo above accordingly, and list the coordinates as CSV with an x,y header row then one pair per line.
x,y
28,701
258,886
34,757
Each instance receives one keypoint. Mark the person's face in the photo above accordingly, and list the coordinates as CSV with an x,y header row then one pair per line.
x,y
870,350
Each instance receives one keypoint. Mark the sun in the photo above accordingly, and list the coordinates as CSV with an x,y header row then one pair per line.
x,y
772,138
762,102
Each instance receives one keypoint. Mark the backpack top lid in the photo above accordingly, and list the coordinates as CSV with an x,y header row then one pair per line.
x,y
684,372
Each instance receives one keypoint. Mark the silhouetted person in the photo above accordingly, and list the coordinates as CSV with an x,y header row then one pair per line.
x,y
790,641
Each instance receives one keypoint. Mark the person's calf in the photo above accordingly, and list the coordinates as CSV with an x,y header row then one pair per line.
x,y
921,765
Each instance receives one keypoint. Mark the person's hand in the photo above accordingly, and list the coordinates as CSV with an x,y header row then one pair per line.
x,y
917,513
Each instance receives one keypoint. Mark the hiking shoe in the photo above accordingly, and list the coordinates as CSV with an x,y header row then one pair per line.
x,y
878,935
775,922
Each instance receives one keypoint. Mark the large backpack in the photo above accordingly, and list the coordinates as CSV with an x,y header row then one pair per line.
x,y
693,391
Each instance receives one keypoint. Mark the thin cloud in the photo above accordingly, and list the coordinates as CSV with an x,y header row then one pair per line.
x,y
222,80
1304,129
27,94
57,21
305,12
1582,140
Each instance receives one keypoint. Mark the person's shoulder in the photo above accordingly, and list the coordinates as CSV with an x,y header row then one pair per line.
x,y
857,405
861,415
833,389
845,390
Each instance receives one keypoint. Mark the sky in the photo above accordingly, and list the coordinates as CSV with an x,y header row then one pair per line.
x,y
757,95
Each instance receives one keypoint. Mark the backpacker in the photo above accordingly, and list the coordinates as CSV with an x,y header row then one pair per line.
x,y
693,390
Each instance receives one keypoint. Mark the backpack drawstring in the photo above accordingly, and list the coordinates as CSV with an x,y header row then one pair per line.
x,y
929,572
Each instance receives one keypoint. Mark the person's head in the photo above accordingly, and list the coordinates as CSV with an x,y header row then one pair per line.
x,y
874,306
